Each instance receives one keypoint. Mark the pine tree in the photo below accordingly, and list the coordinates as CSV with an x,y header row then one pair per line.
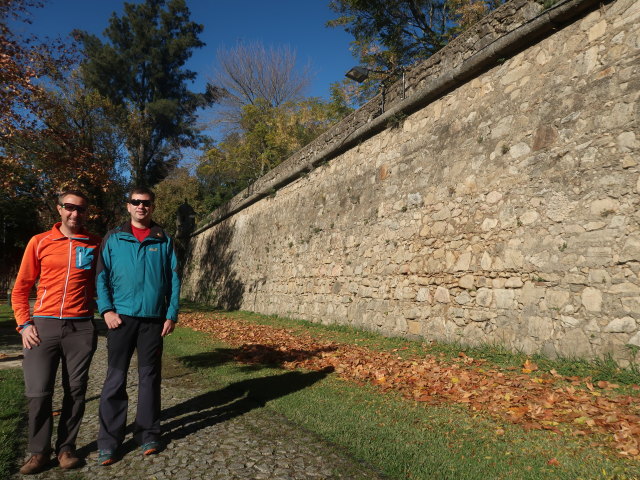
x,y
141,69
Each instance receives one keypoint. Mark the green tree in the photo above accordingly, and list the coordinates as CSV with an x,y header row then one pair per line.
x,y
389,34
71,144
178,187
141,70
267,136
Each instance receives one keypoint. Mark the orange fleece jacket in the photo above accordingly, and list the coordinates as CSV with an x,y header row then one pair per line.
x,y
65,268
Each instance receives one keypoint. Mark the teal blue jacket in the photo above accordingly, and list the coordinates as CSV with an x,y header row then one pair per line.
x,y
139,279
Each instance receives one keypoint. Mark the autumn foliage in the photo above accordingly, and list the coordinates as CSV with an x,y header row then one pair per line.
x,y
533,399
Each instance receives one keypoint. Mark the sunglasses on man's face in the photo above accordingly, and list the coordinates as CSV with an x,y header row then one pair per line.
x,y
70,207
135,203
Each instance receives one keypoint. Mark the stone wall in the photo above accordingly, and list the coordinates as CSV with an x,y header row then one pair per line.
x,y
501,207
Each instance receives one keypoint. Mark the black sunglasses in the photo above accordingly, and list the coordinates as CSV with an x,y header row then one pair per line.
x,y
70,207
135,203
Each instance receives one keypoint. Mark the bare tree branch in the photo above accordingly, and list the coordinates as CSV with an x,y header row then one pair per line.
x,y
250,72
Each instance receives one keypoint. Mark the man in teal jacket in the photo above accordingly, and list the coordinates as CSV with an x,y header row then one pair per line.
x,y
138,291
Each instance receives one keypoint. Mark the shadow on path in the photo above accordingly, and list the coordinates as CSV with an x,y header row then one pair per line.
x,y
253,356
218,406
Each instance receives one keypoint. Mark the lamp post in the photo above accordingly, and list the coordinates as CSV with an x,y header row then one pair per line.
x,y
360,74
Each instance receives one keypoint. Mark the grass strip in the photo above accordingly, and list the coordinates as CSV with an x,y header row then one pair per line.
x,y
12,401
12,413
399,437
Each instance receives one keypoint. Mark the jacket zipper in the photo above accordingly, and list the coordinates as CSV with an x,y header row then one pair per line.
x,y
66,281
42,299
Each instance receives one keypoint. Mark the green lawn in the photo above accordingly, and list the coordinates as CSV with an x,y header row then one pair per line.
x,y
12,401
401,438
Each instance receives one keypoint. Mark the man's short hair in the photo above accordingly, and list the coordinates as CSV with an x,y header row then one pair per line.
x,y
142,191
77,193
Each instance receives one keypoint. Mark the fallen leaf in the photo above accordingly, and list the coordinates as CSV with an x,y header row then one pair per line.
x,y
529,366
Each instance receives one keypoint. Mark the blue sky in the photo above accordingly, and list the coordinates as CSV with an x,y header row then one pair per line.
x,y
297,23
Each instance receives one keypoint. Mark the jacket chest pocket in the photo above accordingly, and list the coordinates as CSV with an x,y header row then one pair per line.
x,y
84,257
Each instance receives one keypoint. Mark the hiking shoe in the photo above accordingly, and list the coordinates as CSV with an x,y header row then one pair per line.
x,y
106,457
150,448
36,463
68,459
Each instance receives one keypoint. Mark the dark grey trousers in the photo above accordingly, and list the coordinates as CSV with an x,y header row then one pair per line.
x,y
144,336
72,343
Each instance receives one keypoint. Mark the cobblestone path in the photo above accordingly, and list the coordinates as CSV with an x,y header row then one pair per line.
x,y
209,434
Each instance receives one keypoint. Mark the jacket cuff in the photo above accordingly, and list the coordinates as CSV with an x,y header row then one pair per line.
x,y
22,326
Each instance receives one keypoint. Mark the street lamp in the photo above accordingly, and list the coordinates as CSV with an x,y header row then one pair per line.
x,y
360,74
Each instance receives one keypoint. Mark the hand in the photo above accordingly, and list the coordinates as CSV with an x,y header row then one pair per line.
x,y
30,337
168,327
112,319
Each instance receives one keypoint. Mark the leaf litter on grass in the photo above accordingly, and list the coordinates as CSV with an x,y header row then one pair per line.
x,y
533,399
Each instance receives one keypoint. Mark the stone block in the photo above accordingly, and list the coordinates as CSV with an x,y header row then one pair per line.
x,y
631,305
513,259
414,200
484,296
599,276
604,206
625,288
569,321
485,261
423,295
597,30
489,224
414,327
631,249
519,149
635,340
498,282
463,263
467,282
463,298
540,327
442,295
480,315
621,325
557,298
514,282
574,344
627,142
493,197
529,217
592,299
504,298
544,137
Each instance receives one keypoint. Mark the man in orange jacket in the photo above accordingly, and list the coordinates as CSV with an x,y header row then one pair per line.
x,y
61,328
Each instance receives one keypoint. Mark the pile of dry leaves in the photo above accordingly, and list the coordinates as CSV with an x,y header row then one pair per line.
x,y
533,399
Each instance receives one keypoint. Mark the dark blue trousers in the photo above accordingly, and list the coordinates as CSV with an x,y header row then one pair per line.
x,y
144,336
